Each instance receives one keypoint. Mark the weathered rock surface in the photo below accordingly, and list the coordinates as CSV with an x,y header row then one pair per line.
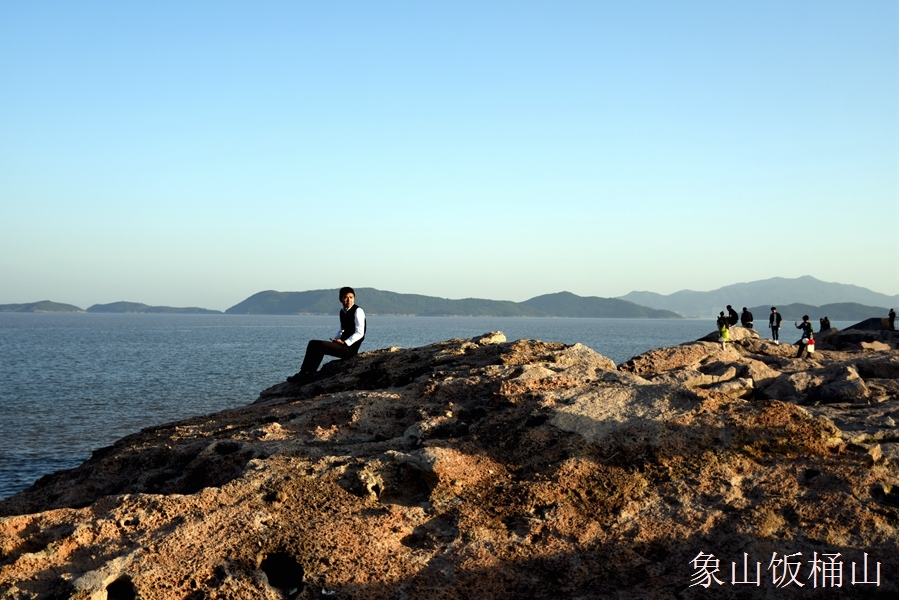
x,y
487,469
853,339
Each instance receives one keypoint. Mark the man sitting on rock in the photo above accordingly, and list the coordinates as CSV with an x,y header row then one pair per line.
x,y
345,344
732,317
746,318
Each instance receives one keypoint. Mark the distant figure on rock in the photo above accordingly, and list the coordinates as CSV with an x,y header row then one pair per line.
x,y
344,344
732,316
807,335
892,320
723,330
825,324
746,318
774,323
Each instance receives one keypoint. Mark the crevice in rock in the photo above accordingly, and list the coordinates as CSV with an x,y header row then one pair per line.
x,y
121,589
283,572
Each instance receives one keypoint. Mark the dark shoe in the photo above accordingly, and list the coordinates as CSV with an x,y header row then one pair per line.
x,y
299,378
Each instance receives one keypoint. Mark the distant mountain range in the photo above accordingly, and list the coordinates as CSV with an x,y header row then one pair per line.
x,y
42,306
771,292
379,302
793,297
841,311
137,307
566,304
115,307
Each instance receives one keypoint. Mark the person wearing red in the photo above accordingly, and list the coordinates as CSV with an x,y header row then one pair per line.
x,y
807,338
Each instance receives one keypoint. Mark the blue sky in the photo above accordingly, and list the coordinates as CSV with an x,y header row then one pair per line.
x,y
192,154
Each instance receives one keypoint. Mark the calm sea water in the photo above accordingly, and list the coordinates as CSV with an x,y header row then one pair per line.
x,y
71,383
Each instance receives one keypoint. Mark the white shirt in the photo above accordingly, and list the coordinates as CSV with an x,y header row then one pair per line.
x,y
359,321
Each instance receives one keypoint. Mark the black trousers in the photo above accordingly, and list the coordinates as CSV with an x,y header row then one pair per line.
x,y
774,332
316,350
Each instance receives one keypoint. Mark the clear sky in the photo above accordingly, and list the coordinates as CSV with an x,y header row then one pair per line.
x,y
194,153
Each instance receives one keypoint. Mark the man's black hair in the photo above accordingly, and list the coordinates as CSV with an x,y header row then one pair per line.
x,y
346,290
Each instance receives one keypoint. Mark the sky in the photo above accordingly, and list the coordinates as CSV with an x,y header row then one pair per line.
x,y
195,153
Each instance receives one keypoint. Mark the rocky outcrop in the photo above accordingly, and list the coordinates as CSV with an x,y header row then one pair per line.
x,y
872,324
849,368
483,468
856,339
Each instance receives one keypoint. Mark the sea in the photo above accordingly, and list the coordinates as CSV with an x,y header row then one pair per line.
x,y
71,383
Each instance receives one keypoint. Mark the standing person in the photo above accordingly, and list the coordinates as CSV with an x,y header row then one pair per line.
x,y
723,330
892,320
807,335
732,317
774,323
746,318
344,344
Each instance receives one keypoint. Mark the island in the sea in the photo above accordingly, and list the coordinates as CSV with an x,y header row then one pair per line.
x,y
138,307
379,302
793,297
43,306
562,304
47,306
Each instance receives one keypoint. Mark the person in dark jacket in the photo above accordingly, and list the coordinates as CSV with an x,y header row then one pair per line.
x,y
774,323
344,344
746,318
825,324
732,316
807,335
892,320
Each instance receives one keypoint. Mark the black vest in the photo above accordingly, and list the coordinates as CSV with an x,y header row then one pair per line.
x,y
348,325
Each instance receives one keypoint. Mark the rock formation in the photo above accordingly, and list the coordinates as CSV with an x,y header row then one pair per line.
x,y
491,469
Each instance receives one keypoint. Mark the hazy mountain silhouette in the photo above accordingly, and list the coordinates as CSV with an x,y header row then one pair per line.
x,y
770,292
840,311
562,304
42,306
138,307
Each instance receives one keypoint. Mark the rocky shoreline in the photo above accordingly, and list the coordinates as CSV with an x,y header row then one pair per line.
x,y
484,468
